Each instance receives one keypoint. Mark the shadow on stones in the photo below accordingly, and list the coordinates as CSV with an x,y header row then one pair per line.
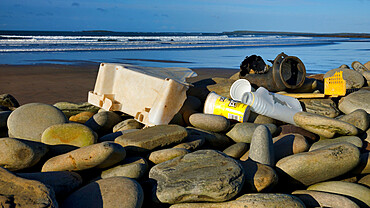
x,y
308,200
87,196
150,188
110,137
287,184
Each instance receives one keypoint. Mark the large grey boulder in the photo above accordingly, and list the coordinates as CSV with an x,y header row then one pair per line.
x,y
354,101
204,175
353,78
30,121
324,126
319,165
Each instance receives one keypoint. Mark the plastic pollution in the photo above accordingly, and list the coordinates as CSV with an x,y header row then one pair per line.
x,y
151,95
266,103
231,109
335,85
287,72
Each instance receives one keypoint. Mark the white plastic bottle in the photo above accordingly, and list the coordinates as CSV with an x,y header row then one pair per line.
x,y
279,107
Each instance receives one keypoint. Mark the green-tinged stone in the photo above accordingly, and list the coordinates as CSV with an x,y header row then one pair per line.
x,y
69,133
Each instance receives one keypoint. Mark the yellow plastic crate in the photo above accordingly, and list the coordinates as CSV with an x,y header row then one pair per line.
x,y
335,85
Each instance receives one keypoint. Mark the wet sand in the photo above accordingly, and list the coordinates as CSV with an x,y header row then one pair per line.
x,y
51,83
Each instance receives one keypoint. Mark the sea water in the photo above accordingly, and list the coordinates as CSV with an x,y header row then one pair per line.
x,y
193,50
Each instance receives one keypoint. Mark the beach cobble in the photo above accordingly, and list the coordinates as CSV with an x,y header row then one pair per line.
x,y
98,158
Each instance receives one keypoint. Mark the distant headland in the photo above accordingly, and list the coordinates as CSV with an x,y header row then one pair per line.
x,y
344,35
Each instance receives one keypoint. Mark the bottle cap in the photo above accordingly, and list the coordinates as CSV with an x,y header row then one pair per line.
x,y
239,87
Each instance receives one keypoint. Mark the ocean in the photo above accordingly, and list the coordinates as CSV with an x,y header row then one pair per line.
x,y
192,50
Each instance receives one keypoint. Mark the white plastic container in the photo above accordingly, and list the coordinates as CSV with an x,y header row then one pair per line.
x,y
152,95
231,109
279,107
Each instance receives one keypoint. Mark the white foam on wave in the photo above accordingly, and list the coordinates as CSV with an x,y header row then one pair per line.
x,y
24,43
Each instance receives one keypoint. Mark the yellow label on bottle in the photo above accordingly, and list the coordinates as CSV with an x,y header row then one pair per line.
x,y
231,109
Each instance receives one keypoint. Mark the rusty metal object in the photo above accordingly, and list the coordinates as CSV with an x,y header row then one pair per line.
x,y
287,72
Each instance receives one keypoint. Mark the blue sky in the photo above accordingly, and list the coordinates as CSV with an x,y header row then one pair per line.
x,y
187,15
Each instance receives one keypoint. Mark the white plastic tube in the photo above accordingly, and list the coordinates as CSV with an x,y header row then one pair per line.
x,y
279,107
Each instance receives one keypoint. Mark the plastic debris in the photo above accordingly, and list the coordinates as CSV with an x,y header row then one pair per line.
x,y
151,95
287,72
231,109
266,103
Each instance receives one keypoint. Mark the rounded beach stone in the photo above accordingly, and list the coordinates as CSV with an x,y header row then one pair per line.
x,y
357,66
289,144
153,137
358,118
192,142
82,117
30,121
212,140
209,122
354,101
101,155
17,154
353,78
325,107
319,165
292,129
74,134
262,149
323,199
367,65
71,109
236,150
365,180
8,100
112,136
261,119
242,132
204,175
360,194
163,155
3,118
323,126
326,142
364,166
62,182
108,192
24,192
258,177
103,122
127,124
259,200
367,77
132,167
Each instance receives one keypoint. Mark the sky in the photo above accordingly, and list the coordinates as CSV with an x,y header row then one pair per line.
x,y
319,16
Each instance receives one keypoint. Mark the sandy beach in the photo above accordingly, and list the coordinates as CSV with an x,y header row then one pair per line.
x,y
51,83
